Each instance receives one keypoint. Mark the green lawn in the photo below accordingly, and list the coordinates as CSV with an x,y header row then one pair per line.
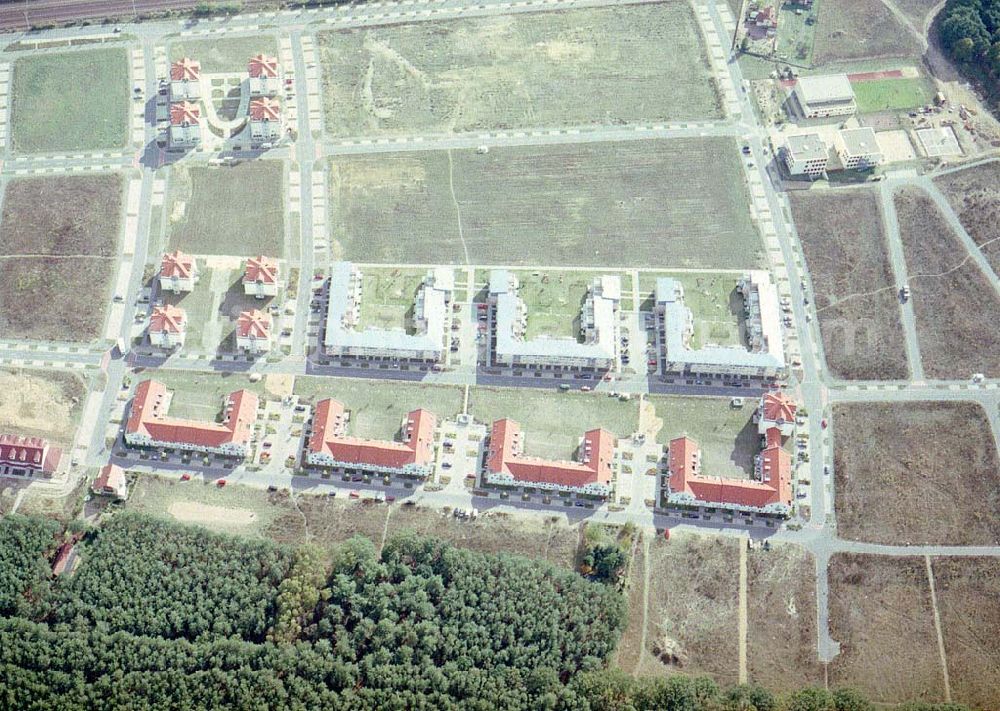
x,y
676,203
236,211
892,94
76,101
198,395
727,436
715,304
388,296
197,306
553,300
224,54
377,407
582,66
553,422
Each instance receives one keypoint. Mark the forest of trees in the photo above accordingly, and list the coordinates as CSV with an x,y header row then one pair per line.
x,y
970,32
170,617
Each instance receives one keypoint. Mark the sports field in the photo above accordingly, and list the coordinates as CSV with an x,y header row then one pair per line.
x,y
889,94
224,54
609,65
235,211
74,101
554,422
378,407
681,203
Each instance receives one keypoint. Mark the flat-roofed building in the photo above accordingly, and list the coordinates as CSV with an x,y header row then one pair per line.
x,y
858,148
265,75
825,96
253,331
149,424
805,154
178,272
260,277
599,329
185,125
762,354
167,327
508,465
428,343
185,80
329,445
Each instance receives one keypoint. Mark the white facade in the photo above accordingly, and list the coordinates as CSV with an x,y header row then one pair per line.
x,y
229,449
825,96
805,155
506,479
167,339
253,344
265,130
858,149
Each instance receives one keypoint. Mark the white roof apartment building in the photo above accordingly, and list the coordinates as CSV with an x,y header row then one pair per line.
x,y
858,148
599,326
763,354
825,96
344,338
805,154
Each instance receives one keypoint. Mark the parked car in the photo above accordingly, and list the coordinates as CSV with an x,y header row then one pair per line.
x,y
185,477
220,483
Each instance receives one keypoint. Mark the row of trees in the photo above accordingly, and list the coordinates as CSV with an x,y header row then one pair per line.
x,y
970,31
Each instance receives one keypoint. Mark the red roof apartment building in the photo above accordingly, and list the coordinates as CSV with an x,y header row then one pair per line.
x,y
27,456
770,491
253,331
178,272
185,80
167,327
149,425
265,120
507,465
111,481
329,445
185,124
260,278
264,74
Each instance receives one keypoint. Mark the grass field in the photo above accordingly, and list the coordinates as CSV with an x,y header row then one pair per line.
x,y
968,597
880,612
388,297
916,472
956,307
860,29
236,211
692,615
679,203
640,63
854,286
727,436
916,10
553,422
41,403
58,249
715,304
377,408
781,618
890,94
974,195
198,395
554,300
50,92
224,54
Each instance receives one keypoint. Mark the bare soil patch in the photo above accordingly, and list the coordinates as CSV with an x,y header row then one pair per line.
x,y
880,612
325,521
845,247
916,473
860,29
781,597
693,615
193,512
974,195
968,597
41,403
957,308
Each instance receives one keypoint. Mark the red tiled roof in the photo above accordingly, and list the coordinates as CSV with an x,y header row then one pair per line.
x,y
167,318
29,452
185,68
254,324
329,436
184,112
265,109
685,477
177,264
778,407
111,478
149,416
261,269
504,457
263,65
